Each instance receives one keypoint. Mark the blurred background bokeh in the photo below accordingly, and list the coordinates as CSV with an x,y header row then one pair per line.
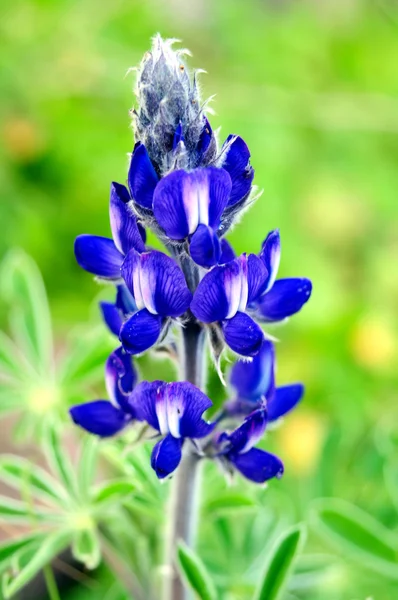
x,y
313,89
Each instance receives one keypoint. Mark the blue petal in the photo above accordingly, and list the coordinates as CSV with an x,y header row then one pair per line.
x,y
284,400
125,231
99,417
249,433
166,456
257,465
111,316
120,378
183,200
236,163
98,255
242,334
271,256
205,247
174,408
285,298
157,283
204,140
219,292
256,379
192,403
142,177
140,332
257,276
125,301
144,400
227,252
178,136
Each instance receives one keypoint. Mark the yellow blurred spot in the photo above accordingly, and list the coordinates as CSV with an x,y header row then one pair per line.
x,y
82,521
22,138
373,344
335,215
301,439
43,398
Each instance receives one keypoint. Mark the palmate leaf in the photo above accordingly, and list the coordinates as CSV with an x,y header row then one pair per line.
x,y
110,492
14,511
87,465
356,534
86,362
195,573
52,545
280,564
24,289
86,548
9,550
19,473
58,460
228,503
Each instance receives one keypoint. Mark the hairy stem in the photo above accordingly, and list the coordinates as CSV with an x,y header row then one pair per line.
x,y
185,495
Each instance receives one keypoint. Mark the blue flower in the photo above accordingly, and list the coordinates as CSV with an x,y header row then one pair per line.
x,y
160,293
106,418
175,410
116,313
280,298
104,256
235,450
189,205
223,296
254,383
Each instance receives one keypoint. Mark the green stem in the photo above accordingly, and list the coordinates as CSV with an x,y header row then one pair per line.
x,y
185,495
51,584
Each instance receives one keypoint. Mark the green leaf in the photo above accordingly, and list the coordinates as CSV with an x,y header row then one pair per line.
x,y
19,512
23,287
12,363
86,362
195,573
113,491
280,564
19,473
9,549
58,459
229,503
53,545
87,465
86,548
356,534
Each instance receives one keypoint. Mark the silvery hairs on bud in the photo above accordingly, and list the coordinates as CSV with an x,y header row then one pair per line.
x,y
168,96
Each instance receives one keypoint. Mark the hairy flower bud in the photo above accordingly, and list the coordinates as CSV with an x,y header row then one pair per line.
x,y
170,119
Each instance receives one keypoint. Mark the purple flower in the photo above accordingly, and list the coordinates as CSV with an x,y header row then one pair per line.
x,y
222,298
160,293
106,418
235,159
175,410
189,205
236,451
254,383
116,313
104,256
280,298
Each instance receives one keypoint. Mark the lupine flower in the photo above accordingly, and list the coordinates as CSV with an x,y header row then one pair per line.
x,y
160,293
116,313
235,450
106,418
222,297
254,383
175,410
104,256
281,298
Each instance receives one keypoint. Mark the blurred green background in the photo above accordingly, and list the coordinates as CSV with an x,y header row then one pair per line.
x,y
313,89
